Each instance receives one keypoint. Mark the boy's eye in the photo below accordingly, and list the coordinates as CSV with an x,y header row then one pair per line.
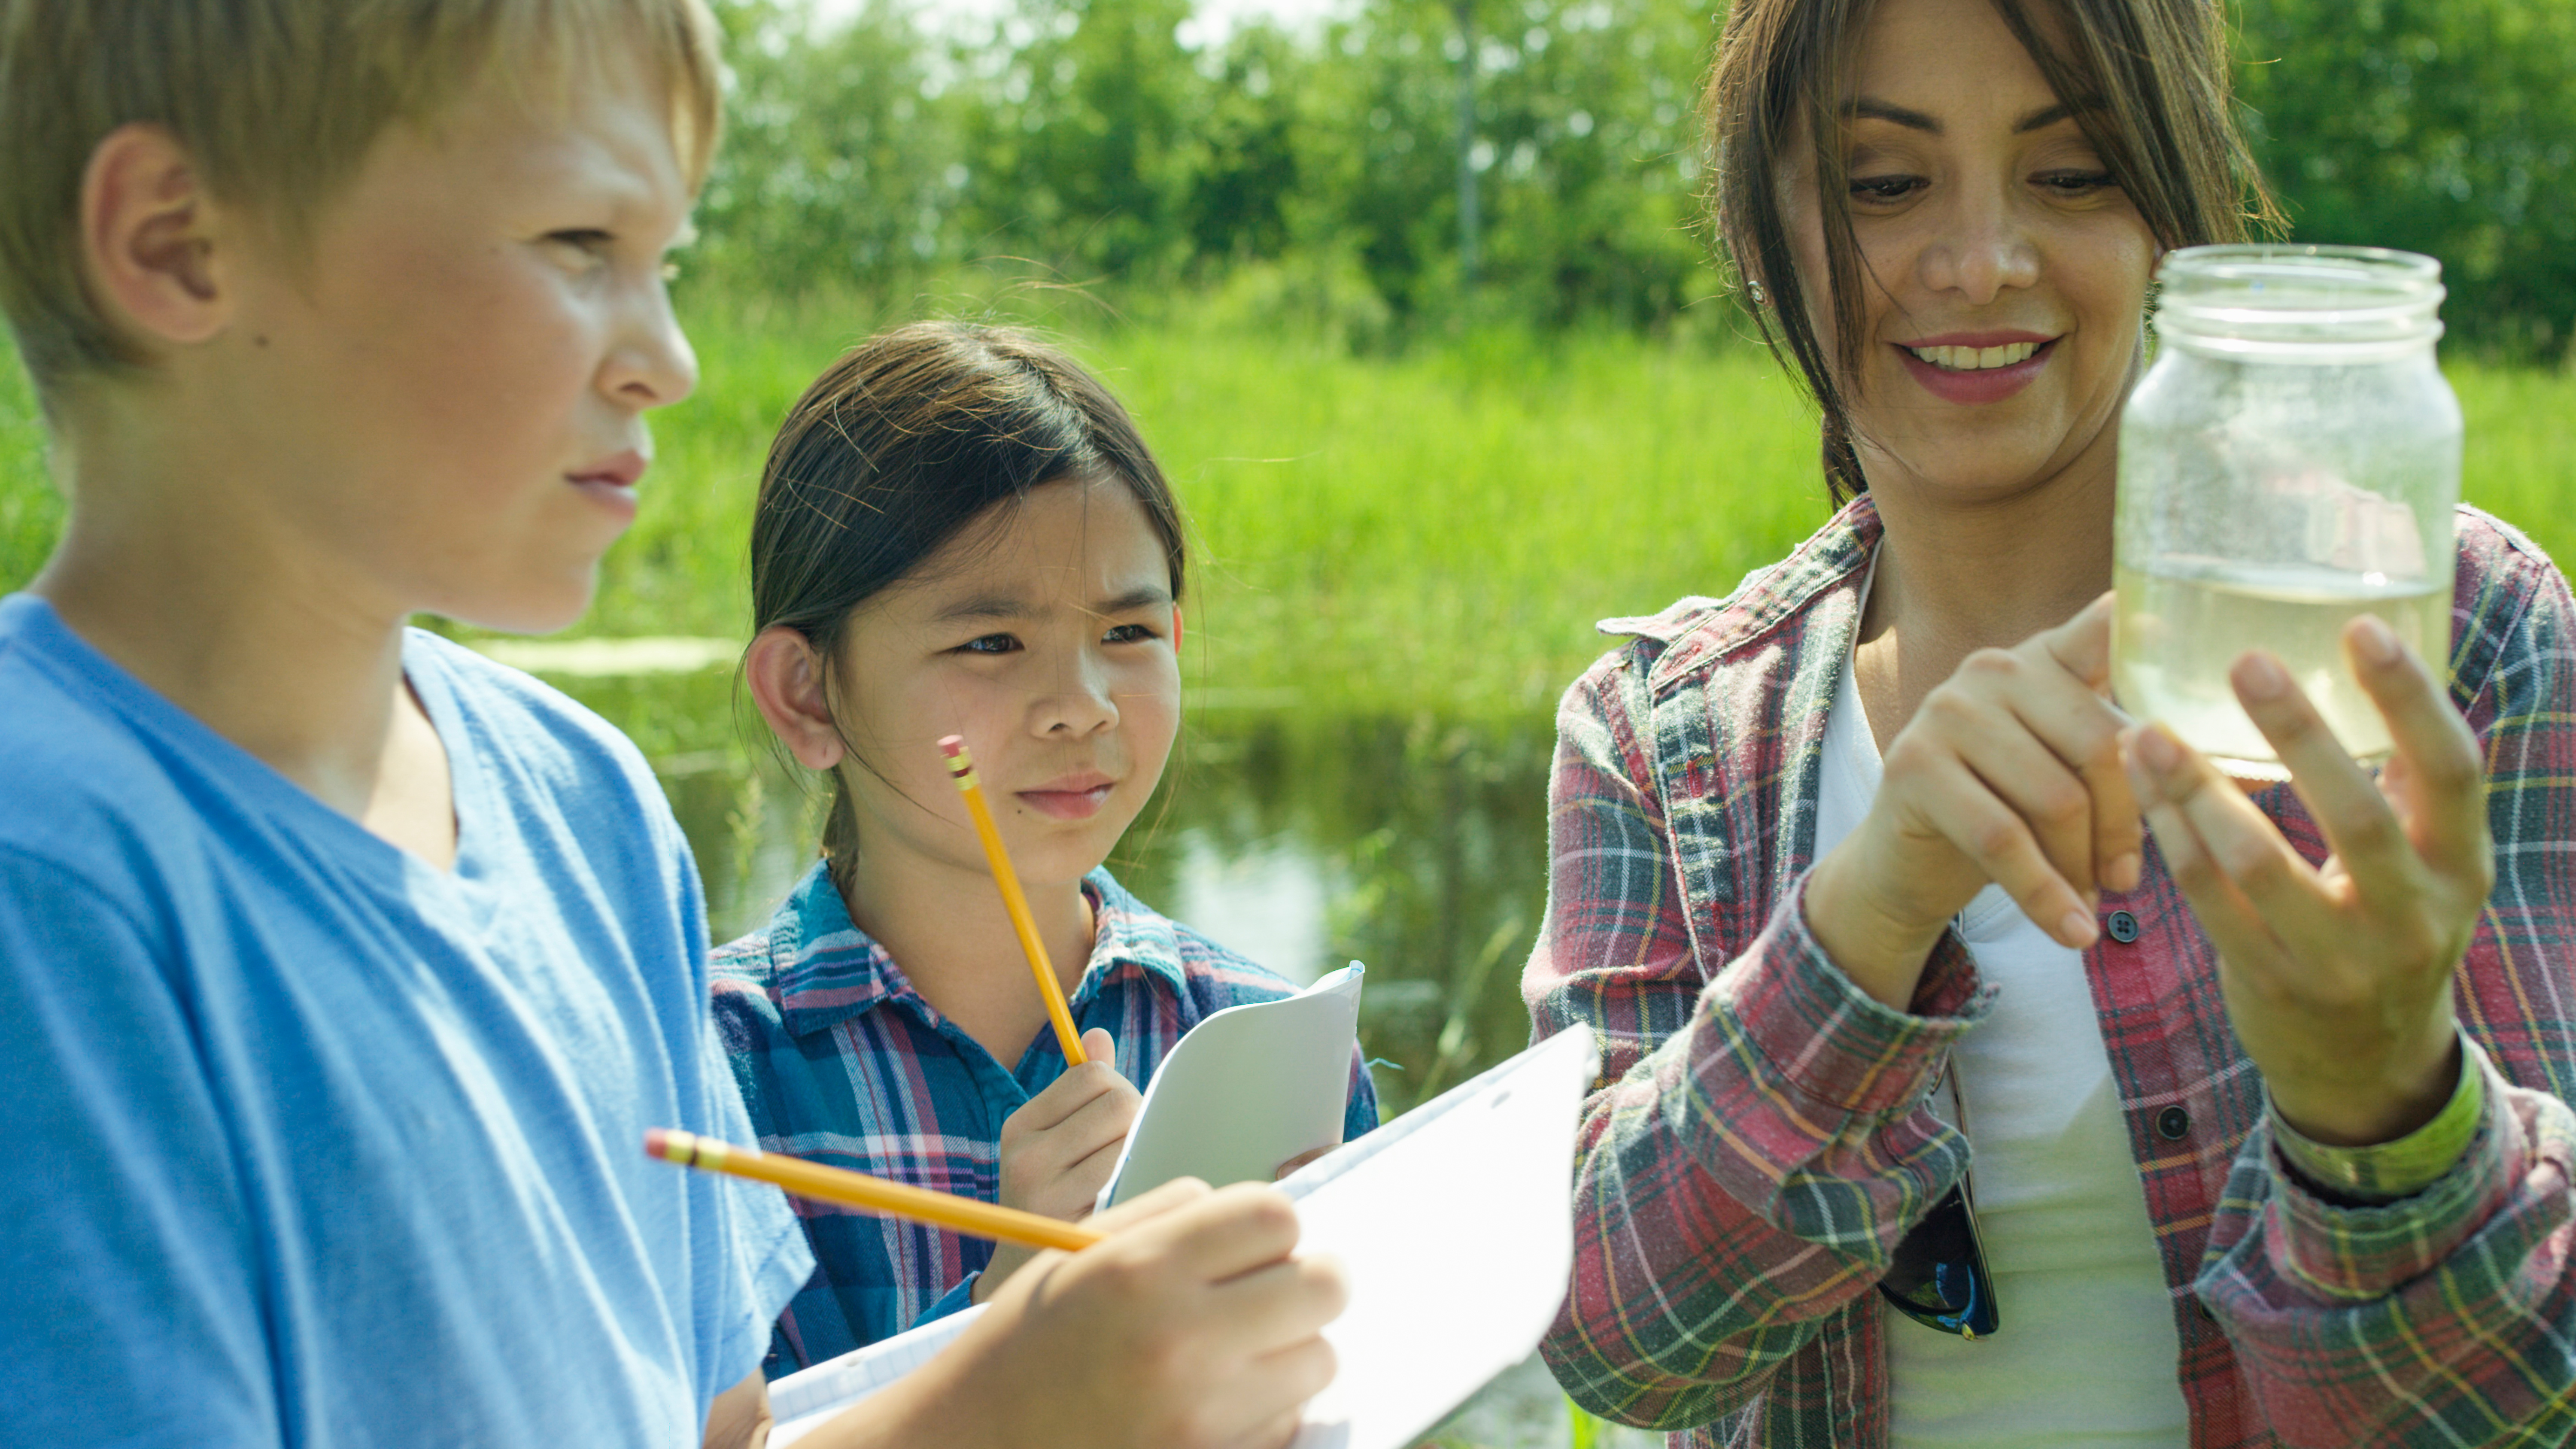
x,y
1885,188
589,241
989,644
1130,634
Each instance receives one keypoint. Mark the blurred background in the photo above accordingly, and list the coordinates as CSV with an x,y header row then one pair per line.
x,y
1413,299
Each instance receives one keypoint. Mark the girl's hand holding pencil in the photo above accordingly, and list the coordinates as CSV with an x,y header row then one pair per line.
x,y
1059,1148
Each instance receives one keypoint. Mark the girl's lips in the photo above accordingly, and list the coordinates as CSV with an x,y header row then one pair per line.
x,y
1068,804
1985,385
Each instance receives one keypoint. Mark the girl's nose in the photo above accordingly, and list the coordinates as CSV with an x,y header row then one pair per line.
x,y
1979,251
1080,705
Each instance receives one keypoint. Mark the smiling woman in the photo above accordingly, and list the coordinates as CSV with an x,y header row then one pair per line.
x,y
2127,113
1868,890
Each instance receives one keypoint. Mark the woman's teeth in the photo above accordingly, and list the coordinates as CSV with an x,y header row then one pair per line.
x,y
1976,359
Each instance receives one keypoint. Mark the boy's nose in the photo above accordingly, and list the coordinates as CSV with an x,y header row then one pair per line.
x,y
654,366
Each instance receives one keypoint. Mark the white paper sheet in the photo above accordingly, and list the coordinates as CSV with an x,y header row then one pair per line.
x,y
1456,1223
1244,1091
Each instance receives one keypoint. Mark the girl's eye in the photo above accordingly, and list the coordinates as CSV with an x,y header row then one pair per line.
x,y
989,644
1130,634
1885,188
2079,183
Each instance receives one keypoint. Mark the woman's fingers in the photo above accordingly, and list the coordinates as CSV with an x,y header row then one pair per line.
x,y
2356,819
2242,878
2082,645
2053,801
2050,747
2447,780
1999,842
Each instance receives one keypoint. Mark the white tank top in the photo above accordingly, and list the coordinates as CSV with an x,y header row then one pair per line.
x,y
2086,1352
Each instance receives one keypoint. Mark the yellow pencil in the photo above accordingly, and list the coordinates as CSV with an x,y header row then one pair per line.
x,y
962,765
859,1190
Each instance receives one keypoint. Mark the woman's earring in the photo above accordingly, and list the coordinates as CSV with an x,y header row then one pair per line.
x,y
1760,297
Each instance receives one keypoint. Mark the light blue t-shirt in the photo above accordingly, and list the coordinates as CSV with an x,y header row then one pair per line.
x,y
308,1143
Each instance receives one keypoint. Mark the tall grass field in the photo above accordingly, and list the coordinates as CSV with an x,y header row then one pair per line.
x,y
1433,530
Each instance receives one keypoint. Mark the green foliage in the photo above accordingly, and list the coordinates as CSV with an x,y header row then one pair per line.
x,y
1086,139
1083,138
31,511
2439,126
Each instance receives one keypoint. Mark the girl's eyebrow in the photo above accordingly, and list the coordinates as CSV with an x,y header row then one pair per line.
x,y
985,606
1003,606
1129,602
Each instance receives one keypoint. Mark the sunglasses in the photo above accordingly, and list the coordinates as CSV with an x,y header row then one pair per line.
x,y
1938,1276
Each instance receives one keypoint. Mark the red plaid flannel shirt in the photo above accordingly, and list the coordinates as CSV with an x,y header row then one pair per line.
x,y
1758,1142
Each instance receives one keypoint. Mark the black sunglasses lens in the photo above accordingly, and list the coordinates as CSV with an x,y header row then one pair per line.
x,y
1938,1275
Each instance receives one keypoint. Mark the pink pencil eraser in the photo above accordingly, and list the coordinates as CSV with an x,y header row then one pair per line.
x,y
952,746
657,1142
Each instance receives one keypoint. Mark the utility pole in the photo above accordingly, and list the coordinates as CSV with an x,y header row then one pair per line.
x,y
1469,225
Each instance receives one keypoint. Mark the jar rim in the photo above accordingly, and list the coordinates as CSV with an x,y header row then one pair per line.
x,y
2247,298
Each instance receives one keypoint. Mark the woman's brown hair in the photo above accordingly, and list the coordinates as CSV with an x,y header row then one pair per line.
x,y
903,445
2147,81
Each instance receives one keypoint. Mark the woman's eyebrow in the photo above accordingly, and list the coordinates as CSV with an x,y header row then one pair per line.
x,y
1873,109
1869,108
2047,116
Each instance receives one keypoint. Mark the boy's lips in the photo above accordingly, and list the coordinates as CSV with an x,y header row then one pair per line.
x,y
611,481
1072,797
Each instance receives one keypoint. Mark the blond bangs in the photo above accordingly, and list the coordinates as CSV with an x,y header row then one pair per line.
x,y
278,103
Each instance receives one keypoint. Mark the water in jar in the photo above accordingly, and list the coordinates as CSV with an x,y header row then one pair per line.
x,y
2183,621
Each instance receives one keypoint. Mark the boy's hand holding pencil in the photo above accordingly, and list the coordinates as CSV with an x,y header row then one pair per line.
x,y
1190,1325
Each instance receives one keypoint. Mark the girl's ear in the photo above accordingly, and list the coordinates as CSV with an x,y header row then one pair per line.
x,y
1176,628
786,678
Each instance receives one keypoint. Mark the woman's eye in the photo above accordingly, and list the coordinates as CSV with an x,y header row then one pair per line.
x,y
1130,634
1885,188
989,644
2079,183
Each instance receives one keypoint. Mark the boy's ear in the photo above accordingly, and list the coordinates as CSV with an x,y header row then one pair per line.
x,y
786,678
148,239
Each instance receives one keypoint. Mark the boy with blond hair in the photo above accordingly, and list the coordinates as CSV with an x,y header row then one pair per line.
x,y
341,971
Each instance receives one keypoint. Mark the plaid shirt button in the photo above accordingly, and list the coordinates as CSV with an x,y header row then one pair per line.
x,y
2124,927
2173,1124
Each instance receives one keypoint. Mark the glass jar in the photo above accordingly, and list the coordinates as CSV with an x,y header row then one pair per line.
x,y
2290,461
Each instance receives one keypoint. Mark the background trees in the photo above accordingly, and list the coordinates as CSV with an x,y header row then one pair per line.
x,y
1319,172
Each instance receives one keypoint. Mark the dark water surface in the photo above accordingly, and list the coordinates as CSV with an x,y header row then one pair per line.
x,y
1303,839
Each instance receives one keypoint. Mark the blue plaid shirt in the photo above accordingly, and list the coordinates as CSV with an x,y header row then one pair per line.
x,y
842,1062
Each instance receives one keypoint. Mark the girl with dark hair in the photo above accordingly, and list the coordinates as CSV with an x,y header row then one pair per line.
x,y
960,531
1868,892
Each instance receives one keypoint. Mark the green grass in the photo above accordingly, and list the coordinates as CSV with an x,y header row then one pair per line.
x,y
1439,528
